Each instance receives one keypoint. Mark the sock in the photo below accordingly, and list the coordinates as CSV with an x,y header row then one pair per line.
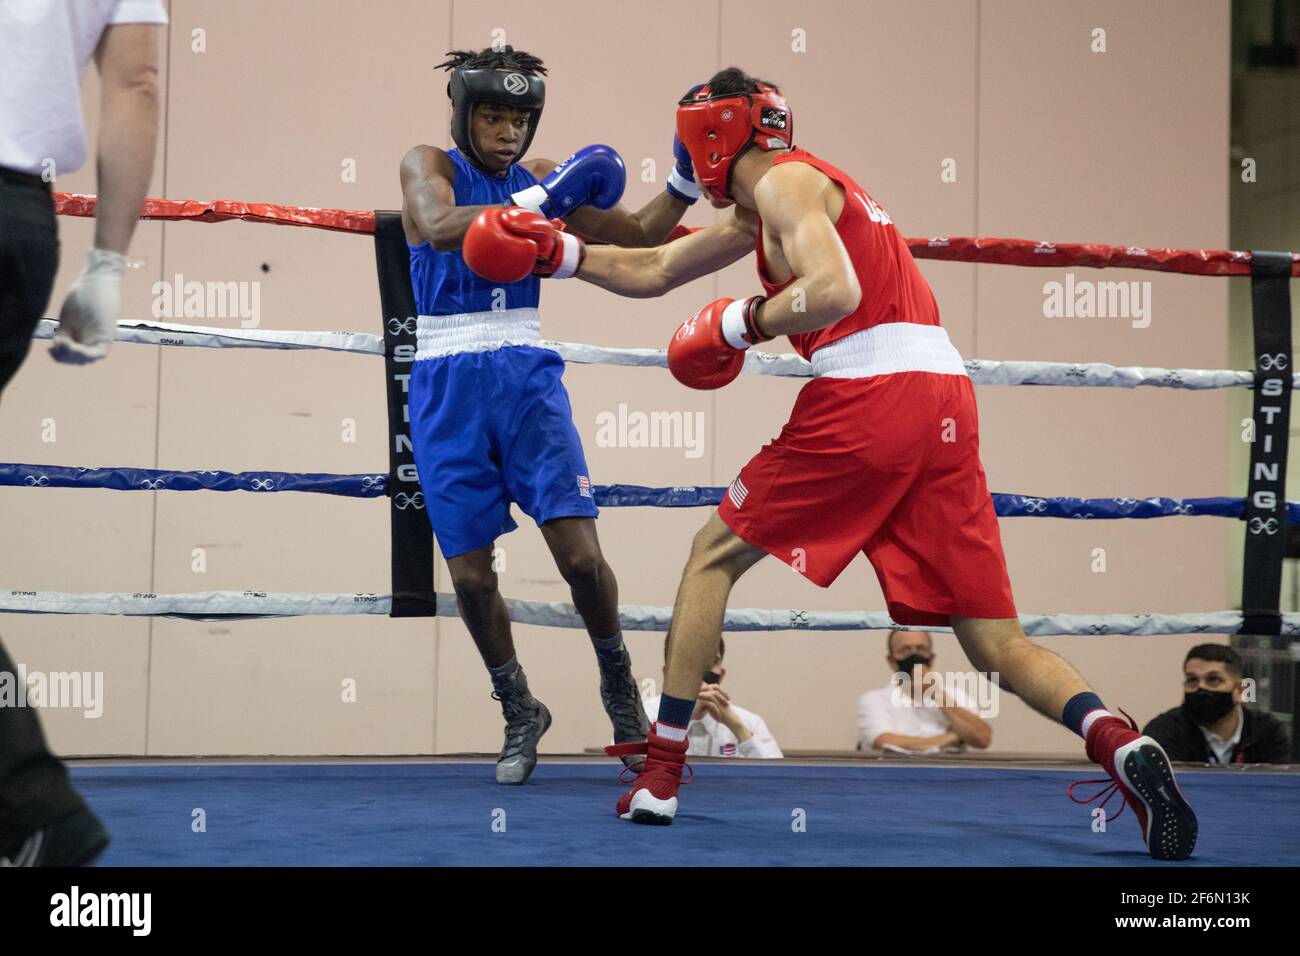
x,y
1082,711
502,671
674,717
606,644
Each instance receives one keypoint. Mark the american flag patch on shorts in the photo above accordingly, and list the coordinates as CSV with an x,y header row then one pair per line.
x,y
584,486
737,492
728,750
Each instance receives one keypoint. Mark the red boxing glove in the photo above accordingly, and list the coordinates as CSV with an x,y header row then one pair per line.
x,y
507,244
494,251
709,349
558,253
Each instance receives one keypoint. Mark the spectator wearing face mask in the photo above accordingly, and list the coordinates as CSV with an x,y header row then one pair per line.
x,y
719,728
891,718
1212,726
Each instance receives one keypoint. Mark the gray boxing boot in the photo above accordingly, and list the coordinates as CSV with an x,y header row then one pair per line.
x,y
526,720
622,700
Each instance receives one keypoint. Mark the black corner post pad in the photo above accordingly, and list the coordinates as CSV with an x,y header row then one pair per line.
x,y
412,537
1265,512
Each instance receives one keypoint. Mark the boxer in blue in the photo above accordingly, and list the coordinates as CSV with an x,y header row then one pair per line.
x,y
490,418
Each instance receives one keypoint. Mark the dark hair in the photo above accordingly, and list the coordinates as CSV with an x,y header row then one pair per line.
x,y
735,80
506,58
889,639
722,648
1218,652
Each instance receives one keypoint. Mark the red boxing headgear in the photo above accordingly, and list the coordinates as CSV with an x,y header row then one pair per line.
x,y
717,129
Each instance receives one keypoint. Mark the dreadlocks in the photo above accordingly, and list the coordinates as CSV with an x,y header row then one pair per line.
x,y
506,58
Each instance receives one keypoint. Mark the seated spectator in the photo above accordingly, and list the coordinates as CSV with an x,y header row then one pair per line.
x,y
1212,726
891,718
718,727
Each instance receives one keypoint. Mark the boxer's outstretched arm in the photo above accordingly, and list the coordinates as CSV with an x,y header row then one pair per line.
x,y
619,226
429,207
648,226
793,200
645,273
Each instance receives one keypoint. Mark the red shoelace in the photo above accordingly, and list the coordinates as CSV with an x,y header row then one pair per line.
x,y
1110,786
625,750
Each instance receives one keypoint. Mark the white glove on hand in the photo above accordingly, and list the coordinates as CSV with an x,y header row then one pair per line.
x,y
88,319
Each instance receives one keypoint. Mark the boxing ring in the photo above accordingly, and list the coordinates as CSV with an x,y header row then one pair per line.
x,y
436,811
736,813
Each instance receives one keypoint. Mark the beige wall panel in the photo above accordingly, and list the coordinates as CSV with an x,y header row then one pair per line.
x,y
1049,140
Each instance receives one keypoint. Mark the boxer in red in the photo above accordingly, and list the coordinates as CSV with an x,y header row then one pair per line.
x,y
881,452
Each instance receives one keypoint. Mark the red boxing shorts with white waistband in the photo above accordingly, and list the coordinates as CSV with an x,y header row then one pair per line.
x,y
887,465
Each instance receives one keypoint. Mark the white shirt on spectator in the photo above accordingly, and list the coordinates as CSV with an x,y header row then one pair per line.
x,y
44,47
708,738
891,710
1222,748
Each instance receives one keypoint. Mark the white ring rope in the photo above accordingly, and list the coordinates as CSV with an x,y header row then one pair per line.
x,y
227,605
201,336
981,371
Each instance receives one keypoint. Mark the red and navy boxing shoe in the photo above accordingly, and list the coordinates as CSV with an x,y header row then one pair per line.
x,y
1140,770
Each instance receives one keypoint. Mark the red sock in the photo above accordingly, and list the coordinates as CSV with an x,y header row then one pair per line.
x,y
1105,736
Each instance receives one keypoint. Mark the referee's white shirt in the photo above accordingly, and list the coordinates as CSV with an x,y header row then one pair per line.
x,y
44,47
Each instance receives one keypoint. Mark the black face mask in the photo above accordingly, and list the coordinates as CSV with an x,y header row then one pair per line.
x,y
1207,706
908,664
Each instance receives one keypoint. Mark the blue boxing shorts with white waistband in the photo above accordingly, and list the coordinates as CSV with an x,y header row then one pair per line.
x,y
492,427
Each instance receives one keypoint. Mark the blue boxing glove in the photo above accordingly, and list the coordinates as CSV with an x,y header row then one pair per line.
x,y
594,175
681,181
